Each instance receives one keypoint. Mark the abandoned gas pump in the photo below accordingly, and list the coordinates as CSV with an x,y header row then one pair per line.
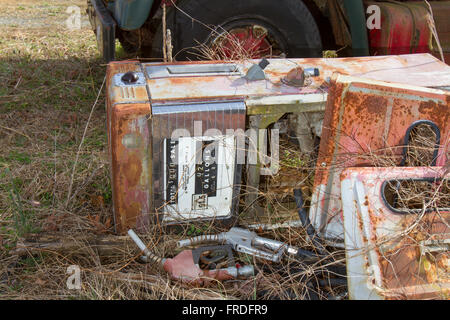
x,y
175,131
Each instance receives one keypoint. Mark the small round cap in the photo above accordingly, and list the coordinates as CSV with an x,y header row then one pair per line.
x,y
130,77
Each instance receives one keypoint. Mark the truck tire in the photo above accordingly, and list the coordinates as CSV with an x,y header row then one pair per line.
x,y
290,28
137,41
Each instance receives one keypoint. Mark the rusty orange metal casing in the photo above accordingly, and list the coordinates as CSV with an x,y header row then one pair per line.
x,y
147,184
128,109
394,254
365,121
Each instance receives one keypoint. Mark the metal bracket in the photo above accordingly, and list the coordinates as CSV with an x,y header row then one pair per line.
x,y
256,122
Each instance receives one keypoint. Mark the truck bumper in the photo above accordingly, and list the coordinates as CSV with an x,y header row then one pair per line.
x,y
104,27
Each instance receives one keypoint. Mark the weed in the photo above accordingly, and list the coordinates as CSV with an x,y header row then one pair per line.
x,y
22,218
20,157
194,230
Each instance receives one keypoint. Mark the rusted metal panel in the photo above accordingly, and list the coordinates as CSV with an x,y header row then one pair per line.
x,y
365,123
416,69
392,253
404,29
128,109
131,182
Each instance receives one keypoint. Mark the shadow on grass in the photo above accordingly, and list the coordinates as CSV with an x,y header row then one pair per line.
x,y
66,84
44,109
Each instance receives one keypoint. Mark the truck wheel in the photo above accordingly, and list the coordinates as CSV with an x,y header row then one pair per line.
x,y
137,41
234,29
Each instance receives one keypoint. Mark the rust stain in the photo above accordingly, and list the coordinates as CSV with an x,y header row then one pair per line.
x,y
403,268
132,170
190,80
131,211
435,111
329,131
126,211
275,73
126,166
427,106
375,105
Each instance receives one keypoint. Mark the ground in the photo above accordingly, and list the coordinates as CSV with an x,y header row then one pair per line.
x,y
50,77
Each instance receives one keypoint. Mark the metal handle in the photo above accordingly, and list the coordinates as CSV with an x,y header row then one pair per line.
x,y
201,240
151,257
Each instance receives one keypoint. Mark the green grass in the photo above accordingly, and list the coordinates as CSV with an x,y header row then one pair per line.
x,y
23,218
16,156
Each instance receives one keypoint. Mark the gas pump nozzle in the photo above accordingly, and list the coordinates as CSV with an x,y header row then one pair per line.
x,y
186,266
246,241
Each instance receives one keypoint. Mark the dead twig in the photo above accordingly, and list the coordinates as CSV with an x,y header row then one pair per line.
x,y
75,244
164,32
81,143
432,26
15,131
169,46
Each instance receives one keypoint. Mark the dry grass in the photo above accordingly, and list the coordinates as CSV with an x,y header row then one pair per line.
x,y
226,46
52,77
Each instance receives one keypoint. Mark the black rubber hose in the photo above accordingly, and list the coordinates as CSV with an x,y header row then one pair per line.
x,y
339,282
311,231
304,218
